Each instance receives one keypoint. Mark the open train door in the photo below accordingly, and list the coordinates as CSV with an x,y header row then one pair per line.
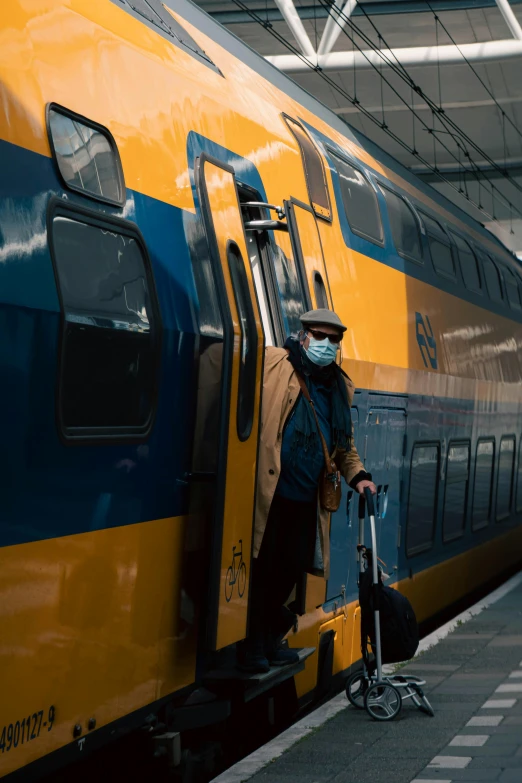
x,y
240,401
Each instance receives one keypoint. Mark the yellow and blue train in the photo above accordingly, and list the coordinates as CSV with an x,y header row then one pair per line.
x,y
169,204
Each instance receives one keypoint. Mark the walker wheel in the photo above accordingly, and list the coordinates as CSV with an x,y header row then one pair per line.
x,y
382,701
356,687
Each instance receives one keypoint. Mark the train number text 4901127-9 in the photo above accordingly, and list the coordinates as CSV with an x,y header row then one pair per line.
x,y
27,729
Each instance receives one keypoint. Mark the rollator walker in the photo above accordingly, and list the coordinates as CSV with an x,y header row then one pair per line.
x,y
381,695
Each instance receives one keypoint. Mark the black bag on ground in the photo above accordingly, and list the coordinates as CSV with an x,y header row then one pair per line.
x,y
399,629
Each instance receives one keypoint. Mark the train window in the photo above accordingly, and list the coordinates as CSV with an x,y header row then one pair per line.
x,y
492,276
404,226
511,289
519,478
247,322
293,301
468,264
360,203
86,155
440,248
506,465
422,505
110,326
314,170
321,298
159,17
455,497
483,483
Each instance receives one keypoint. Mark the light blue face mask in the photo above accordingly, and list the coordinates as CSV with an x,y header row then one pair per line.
x,y
321,352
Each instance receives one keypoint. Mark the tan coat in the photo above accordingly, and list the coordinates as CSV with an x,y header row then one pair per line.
x,y
280,392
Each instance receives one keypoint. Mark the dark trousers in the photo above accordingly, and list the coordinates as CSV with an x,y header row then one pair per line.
x,y
286,552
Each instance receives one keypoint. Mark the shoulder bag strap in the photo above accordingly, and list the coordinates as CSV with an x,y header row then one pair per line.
x,y
306,395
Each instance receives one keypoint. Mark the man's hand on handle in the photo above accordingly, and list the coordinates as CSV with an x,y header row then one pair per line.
x,y
361,486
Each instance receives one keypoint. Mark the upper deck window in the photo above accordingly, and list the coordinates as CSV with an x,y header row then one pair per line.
x,y
468,264
513,294
359,201
404,226
86,155
158,16
314,170
492,276
440,248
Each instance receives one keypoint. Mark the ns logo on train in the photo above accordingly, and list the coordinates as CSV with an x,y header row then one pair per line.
x,y
426,340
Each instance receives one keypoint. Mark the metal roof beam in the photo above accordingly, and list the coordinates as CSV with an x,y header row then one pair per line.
x,y
340,12
489,51
510,19
372,9
296,26
455,174
446,105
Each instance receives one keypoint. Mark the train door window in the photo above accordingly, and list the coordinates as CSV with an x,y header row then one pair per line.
x,y
320,292
506,465
257,245
247,321
440,248
110,328
291,292
519,478
422,505
456,493
360,203
492,276
404,226
483,484
314,170
468,264
86,155
511,289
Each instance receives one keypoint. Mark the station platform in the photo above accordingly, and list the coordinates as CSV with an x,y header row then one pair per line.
x,y
474,683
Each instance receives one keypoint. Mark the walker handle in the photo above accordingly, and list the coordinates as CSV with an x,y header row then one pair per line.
x,y
369,500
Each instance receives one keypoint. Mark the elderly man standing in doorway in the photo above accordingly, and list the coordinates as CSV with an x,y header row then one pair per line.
x,y
291,529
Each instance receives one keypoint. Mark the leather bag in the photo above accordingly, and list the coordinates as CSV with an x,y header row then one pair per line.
x,y
330,480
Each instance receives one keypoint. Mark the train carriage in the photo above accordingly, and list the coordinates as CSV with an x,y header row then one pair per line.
x,y
170,203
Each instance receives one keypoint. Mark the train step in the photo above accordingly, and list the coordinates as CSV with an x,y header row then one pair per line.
x,y
251,685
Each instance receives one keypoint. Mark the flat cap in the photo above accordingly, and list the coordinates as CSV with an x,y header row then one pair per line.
x,y
318,317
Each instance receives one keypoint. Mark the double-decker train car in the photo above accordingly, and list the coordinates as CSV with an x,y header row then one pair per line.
x,y
169,205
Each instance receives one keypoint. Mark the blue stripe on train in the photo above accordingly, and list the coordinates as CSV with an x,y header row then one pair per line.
x,y
49,489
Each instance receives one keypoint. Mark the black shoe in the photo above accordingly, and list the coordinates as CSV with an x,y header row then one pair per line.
x,y
251,657
279,655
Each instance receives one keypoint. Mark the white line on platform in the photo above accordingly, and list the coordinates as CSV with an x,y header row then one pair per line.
x,y
498,704
516,675
449,762
514,687
250,765
469,740
485,720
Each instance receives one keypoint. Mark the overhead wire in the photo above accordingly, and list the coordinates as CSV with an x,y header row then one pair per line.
x,y
398,68
479,77
356,102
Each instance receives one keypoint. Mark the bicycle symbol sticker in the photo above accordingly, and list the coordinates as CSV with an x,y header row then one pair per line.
x,y
236,573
